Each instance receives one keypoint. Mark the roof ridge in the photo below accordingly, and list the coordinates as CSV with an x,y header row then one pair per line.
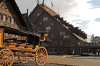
x,y
45,6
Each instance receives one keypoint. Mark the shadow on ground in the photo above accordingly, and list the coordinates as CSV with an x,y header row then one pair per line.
x,y
61,64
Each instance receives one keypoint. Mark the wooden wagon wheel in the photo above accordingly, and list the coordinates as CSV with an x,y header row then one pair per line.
x,y
23,58
6,57
41,56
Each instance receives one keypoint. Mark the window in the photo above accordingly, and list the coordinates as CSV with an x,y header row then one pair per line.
x,y
38,14
60,33
12,20
4,18
63,33
40,23
51,23
52,35
48,28
14,36
9,19
6,34
52,50
45,19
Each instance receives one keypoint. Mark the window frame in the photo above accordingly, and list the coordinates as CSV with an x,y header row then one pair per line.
x,y
9,19
13,21
4,18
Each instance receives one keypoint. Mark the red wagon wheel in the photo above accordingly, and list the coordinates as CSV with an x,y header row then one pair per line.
x,y
6,57
41,56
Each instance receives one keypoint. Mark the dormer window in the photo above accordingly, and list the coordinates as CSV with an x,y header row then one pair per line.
x,y
12,20
38,14
4,18
45,19
9,19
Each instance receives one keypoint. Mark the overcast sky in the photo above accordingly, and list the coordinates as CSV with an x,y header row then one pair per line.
x,y
82,13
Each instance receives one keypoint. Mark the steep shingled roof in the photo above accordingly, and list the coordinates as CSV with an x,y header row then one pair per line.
x,y
28,21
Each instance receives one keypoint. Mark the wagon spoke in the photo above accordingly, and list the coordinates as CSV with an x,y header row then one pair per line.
x,y
10,57
5,63
2,63
9,61
1,54
8,53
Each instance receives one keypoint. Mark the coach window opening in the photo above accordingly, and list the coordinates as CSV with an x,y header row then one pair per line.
x,y
17,37
26,38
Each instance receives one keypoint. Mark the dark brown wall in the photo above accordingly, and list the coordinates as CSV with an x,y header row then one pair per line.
x,y
34,14
55,29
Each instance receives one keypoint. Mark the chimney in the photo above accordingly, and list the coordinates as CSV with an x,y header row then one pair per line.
x,y
37,1
43,2
27,11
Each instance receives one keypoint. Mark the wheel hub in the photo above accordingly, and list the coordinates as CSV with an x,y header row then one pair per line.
x,y
4,58
41,55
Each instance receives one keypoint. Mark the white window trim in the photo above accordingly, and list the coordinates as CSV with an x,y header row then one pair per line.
x,y
12,21
4,18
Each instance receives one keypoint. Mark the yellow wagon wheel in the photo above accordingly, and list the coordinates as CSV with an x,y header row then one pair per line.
x,y
41,56
23,58
6,57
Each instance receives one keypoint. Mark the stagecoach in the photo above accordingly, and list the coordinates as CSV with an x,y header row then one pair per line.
x,y
23,49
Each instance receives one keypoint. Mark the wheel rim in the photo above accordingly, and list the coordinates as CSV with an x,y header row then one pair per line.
x,y
41,56
6,57
22,58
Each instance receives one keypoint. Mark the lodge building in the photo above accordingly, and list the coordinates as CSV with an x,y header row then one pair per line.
x,y
64,37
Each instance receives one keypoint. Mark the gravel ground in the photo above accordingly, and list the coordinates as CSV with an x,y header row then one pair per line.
x,y
32,63
54,60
